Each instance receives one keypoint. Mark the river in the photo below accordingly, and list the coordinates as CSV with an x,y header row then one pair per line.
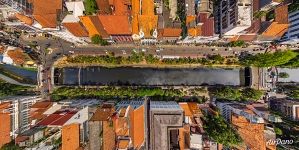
x,y
150,76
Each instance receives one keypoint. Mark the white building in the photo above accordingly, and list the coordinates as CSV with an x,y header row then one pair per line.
x,y
19,110
234,16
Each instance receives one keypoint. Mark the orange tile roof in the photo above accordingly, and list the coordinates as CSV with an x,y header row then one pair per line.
x,y
44,104
116,25
190,19
148,7
196,31
103,6
252,134
170,32
17,56
190,108
93,26
119,7
71,137
184,137
122,126
103,114
46,21
147,24
25,19
123,144
108,135
76,28
281,14
137,124
5,125
275,30
135,13
45,12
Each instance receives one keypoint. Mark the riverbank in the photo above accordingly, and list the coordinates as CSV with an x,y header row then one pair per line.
x,y
141,60
19,74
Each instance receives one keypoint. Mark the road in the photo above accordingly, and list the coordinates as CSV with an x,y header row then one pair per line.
x,y
61,47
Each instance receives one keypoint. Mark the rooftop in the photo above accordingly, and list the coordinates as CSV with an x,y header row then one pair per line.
x,y
58,118
103,114
76,28
116,25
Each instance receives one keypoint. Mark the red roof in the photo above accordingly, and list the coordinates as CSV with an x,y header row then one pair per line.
x,y
59,118
116,25
76,28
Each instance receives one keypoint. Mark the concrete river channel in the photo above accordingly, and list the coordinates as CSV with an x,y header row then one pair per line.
x,y
136,76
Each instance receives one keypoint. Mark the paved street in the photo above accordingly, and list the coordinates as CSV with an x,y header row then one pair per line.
x,y
59,47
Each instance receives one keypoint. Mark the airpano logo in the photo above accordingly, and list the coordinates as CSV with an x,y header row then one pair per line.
x,y
279,142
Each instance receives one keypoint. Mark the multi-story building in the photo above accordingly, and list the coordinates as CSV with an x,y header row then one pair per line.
x,y
233,16
251,127
15,116
289,108
292,35
165,120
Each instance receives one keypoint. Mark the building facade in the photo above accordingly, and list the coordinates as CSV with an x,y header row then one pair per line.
x,y
292,35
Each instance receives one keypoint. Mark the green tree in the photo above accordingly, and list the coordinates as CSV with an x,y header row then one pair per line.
x,y
220,131
294,94
96,39
10,146
283,75
277,131
251,94
90,7
268,59
227,93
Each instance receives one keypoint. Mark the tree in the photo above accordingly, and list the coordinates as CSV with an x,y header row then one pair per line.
x,y
10,146
90,7
268,59
283,75
251,94
277,131
220,131
294,94
227,93
97,39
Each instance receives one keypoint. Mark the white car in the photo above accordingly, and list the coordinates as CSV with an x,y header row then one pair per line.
x,y
72,52
124,52
143,50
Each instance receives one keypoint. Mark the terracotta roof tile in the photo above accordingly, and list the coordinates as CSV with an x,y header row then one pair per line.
x,y
25,19
148,7
46,21
147,24
170,32
102,114
46,12
17,56
116,25
108,135
123,144
44,104
275,30
137,123
196,31
104,7
135,13
190,19
93,26
59,118
281,14
120,8
5,124
76,28
71,137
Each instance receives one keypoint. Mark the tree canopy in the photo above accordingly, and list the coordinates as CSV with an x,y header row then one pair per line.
x,y
268,59
235,94
97,39
283,75
90,7
220,131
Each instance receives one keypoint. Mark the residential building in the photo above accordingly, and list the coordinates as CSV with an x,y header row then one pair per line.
x,y
289,108
165,120
266,5
71,137
251,127
6,123
233,16
47,13
18,108
292,35
31,136
37,111
101,128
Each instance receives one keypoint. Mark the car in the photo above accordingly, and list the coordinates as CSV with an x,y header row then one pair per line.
x,y
72,52
157,50
124,52
143,50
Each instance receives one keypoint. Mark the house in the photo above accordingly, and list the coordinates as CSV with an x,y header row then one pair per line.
x,y
46,13
70,137
30,136
6,123
37,111
289,108
170,35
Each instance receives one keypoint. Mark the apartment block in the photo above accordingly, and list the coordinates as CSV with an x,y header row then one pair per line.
x,y
289,108
18,109
292,35
165,120
233,16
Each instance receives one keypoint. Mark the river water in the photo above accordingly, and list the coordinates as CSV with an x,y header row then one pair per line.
x,y
149,76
